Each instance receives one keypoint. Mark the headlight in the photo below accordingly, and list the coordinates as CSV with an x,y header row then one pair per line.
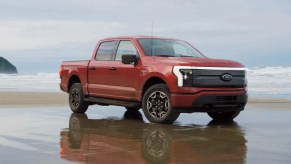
x,y
187,77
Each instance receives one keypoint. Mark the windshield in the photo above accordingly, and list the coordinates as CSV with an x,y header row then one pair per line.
x,y
168,48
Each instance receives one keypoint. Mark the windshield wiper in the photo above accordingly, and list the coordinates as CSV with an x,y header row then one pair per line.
x,y
181,55
186,56
164,55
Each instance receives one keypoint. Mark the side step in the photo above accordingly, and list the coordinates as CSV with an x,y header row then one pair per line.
x,y
104,101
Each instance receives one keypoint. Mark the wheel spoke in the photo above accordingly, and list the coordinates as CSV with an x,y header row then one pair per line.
x,y
162,95
149,104
161,114
153,96
167,104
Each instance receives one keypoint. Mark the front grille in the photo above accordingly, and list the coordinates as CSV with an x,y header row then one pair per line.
x,y
212,79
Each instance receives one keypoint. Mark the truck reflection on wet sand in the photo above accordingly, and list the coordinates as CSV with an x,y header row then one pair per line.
x,y
130,140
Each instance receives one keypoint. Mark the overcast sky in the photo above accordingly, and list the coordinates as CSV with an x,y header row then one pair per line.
x,y
36,35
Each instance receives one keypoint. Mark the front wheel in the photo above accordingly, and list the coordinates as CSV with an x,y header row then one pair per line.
x,y
156,105
76,99
223,116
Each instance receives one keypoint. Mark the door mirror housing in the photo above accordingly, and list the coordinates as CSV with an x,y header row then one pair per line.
x,y
128,59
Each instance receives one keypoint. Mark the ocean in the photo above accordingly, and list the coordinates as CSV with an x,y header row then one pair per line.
x,y
263,82
272,82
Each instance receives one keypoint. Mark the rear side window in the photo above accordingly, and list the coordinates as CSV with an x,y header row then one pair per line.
x,y
125,48
106,50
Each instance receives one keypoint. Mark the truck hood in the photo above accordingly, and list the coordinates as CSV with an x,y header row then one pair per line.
x,y
198,62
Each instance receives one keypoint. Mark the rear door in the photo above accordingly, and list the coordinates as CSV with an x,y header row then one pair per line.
x,y
100,70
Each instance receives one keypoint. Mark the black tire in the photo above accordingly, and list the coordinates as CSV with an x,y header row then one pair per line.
x,y
174,117
223,116
156,105
76,99
132,108
132,115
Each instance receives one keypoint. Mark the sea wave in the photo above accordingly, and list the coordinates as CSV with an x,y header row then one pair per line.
x,y
39,82
270,81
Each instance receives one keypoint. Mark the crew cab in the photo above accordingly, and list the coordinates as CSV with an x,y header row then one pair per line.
x,y
163,76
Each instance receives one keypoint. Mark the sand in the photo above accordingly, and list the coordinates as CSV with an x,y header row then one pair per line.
x,y
45,99
31,99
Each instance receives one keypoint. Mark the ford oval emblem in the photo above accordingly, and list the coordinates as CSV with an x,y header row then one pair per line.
x,y
226,77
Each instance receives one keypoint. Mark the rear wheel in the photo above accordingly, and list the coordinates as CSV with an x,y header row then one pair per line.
x,y
223,116
156,105
76,99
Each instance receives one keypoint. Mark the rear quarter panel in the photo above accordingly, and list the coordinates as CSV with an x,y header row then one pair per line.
x,y
74,68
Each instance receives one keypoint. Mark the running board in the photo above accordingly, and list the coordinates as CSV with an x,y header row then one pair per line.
x,y
104,101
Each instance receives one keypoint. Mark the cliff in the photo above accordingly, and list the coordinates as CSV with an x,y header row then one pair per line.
x,y
7,67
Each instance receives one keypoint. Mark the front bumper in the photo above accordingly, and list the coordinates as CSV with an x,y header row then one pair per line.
x,y
210,101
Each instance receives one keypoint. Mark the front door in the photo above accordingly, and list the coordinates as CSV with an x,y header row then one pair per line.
x,y
125,76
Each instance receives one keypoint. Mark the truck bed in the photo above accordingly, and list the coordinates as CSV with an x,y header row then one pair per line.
x,y
72,68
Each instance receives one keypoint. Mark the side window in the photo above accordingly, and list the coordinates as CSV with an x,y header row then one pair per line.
x,y
106,50
125,48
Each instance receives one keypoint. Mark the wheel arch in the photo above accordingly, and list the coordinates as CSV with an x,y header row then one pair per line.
x,y
152,81
73,79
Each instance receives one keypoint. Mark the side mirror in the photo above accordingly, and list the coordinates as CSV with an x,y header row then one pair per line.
x,y
128,59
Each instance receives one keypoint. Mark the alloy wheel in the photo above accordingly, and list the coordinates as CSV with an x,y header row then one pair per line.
x,y
158,104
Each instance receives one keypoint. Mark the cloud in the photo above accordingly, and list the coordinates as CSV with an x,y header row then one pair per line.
x,y
245,28
44,34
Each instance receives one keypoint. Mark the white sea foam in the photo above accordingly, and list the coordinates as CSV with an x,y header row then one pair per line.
x,y
270,81
40,82
262,82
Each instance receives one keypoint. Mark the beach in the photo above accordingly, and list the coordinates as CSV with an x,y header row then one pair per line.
x,y
32,99
38,99
39,127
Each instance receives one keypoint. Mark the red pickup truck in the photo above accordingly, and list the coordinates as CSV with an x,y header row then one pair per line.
x,y
164,77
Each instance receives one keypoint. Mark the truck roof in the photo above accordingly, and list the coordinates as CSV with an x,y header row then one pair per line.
x,y
137,37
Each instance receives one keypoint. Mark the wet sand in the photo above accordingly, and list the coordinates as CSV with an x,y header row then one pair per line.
x,y
42,99
40,128
32,99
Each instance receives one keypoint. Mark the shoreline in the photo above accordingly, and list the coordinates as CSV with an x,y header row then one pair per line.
x,y
46,99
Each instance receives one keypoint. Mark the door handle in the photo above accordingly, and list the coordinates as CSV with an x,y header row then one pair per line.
x,y
112,68
92,68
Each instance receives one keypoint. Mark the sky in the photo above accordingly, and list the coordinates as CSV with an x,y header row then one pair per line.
x,y
37,35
